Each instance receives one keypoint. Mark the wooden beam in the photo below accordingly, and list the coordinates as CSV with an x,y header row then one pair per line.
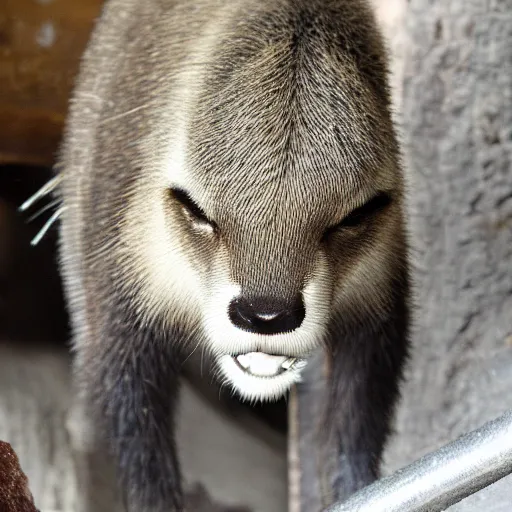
x,y
41,44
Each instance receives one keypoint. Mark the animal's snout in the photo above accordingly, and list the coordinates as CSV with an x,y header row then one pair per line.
x,y
264,315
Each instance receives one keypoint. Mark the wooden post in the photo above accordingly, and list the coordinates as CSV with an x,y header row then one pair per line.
x,y
311,453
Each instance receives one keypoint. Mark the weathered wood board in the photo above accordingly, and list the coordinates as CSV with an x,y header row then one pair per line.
x,y
41,43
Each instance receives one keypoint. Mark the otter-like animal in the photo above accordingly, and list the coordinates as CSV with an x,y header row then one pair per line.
x,y
230,181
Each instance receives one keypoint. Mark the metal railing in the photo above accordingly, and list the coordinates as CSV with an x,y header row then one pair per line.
x,y
444,477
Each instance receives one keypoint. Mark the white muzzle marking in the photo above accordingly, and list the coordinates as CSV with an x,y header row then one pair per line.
x,y
259,366
260,376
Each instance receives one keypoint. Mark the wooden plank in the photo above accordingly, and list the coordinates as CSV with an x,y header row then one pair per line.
x,y
311,456
41,43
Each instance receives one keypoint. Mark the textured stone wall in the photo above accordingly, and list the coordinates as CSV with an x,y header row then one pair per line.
x,y
457,135
457,127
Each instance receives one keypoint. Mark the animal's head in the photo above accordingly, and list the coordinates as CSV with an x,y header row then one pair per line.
x,y
279,197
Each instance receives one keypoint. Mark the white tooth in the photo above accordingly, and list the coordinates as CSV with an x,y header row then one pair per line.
x,y
244,361
289,363
300,364
259,363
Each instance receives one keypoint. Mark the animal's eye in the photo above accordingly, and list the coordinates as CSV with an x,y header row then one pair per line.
x,y
190,206
360,215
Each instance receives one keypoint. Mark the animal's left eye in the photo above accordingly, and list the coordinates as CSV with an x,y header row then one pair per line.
x,y
190,206
359,216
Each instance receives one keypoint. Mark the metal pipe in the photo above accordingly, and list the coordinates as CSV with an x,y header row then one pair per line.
x,y
441,478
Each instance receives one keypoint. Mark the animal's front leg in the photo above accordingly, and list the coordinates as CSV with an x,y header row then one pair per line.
x,y
132,386
367,369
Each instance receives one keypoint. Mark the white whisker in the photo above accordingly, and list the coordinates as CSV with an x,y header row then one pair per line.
x,y
43,209
47,226
43,191
191,353
124,114
202,357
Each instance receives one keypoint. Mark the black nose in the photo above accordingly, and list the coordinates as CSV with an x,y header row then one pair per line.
x,y
267,316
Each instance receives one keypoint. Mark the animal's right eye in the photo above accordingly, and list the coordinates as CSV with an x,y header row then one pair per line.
x,y
190,207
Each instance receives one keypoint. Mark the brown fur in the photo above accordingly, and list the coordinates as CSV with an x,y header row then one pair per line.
x,y
279,111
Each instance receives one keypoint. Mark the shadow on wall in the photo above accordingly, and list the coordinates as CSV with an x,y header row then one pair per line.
x,y
31,301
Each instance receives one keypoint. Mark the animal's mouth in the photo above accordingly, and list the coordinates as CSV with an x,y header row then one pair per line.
x,y
260,364
261,376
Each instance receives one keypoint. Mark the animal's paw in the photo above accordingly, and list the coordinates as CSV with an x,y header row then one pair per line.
x,y
197,499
